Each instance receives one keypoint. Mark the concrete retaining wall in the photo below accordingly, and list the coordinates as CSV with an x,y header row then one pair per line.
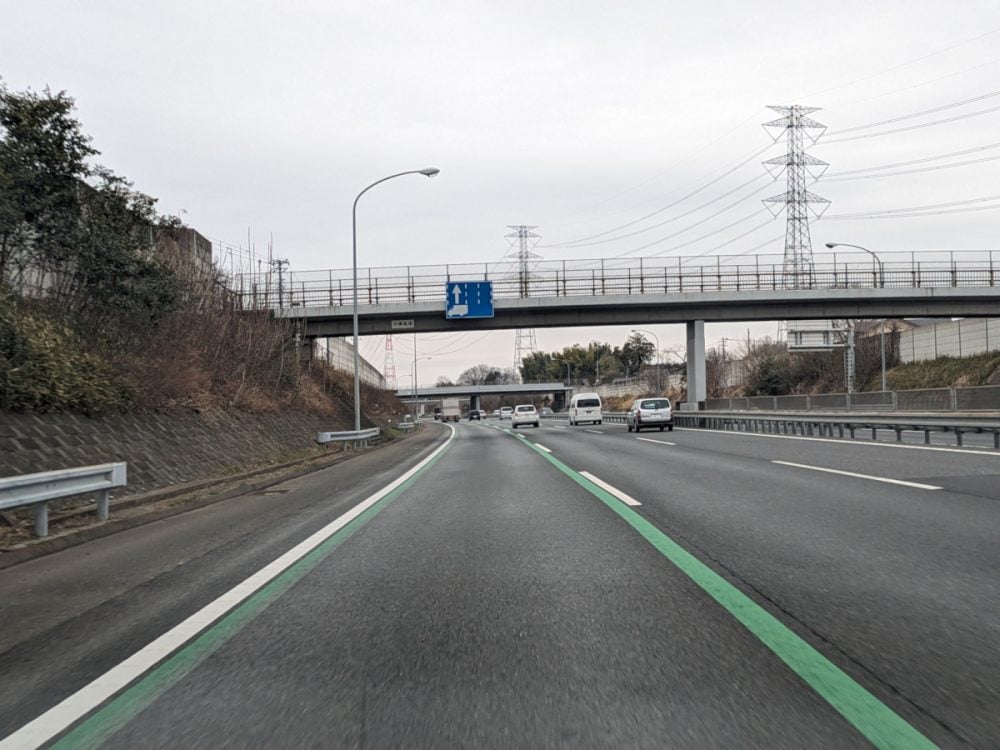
x,y
161,449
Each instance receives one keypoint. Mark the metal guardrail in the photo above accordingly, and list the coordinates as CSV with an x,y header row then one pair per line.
x,y
38,489
604,276
827,425
973,398
351,438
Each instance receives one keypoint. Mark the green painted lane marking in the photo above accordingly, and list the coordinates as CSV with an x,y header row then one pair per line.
x,y
119,711
882,727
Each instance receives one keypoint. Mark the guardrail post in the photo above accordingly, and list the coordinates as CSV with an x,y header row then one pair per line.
x,y
954,399
103,498
41,519
958,436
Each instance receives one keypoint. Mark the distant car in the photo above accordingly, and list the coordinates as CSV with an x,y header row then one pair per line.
x,y
524,414
546,411
474,414
506,412
650,412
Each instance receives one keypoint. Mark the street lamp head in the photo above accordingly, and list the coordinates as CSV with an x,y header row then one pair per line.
x,y
831,245
429,172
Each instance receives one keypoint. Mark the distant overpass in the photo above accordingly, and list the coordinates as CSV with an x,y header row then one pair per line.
x,y
642,291
559,392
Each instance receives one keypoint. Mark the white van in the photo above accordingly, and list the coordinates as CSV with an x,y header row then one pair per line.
x,y
585,407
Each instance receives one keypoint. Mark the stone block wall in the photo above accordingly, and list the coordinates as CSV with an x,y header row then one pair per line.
x,y
161,449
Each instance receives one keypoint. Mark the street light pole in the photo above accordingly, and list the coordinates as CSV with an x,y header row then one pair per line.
x,y
657,339
413,375
428,172
881,277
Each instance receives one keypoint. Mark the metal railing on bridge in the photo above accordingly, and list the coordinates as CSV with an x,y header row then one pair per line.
x,y
614,276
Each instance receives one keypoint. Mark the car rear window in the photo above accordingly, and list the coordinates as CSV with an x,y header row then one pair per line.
x,y
526,408
655,403
588,402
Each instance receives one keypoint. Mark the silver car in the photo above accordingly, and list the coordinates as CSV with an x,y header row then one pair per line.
x,y
650,412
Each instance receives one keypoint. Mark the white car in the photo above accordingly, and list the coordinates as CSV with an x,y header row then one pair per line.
x,y
524,414
506,412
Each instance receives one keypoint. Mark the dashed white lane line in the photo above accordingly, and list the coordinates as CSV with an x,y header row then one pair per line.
x,y
559,427
918,485
543,448
650,440
847,441
596,432
612,490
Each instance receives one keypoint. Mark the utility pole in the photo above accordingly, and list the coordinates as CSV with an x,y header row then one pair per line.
x,y
797,200
282,264
524,240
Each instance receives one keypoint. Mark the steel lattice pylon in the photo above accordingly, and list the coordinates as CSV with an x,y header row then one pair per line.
x,y
390,364
798,201
521,238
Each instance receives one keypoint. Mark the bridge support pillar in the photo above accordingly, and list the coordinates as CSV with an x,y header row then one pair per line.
x,y
559,401
696,383
474,402
306,349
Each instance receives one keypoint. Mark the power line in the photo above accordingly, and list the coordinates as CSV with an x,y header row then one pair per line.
x,y
910,209
677,217
924,160
914,127
920,213
903,64
704,220
910,116
913,171
658,211
704,236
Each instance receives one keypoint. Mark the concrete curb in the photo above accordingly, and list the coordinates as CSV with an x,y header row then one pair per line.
x,y
35,549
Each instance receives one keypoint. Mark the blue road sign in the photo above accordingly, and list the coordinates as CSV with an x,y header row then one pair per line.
x,y
469,299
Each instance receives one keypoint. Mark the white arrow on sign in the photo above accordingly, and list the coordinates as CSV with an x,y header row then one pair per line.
x,y
457,291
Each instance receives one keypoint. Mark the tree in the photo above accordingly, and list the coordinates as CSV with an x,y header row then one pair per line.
x,y
486,375
80,232
636,352
43,159
443,382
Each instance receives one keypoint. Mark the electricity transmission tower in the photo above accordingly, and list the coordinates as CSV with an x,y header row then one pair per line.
x,y
522,243
390,365
797,200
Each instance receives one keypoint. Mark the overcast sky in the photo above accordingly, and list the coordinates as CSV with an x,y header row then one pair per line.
x,y
577,117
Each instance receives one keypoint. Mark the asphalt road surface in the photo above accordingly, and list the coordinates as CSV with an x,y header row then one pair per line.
x,y
551,587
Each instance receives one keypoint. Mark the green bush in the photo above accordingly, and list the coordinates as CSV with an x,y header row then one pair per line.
x,y
42,367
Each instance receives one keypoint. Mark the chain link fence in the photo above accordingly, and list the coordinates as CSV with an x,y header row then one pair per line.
x,y
977,398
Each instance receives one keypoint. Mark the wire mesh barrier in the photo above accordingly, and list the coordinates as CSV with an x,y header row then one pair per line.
x,y
618,276
974,398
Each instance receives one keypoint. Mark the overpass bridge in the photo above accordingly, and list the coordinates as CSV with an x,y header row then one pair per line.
x,y
639,291
474,393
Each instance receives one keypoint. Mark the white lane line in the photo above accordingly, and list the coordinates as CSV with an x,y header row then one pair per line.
x,y
661,442
596,432
608,488
860,476
542,447
558,427
848,441
42,729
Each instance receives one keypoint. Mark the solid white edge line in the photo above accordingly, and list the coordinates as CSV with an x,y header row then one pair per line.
x,y
542,447
859,476
847,441
71,709
595,432
661,442
608,488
